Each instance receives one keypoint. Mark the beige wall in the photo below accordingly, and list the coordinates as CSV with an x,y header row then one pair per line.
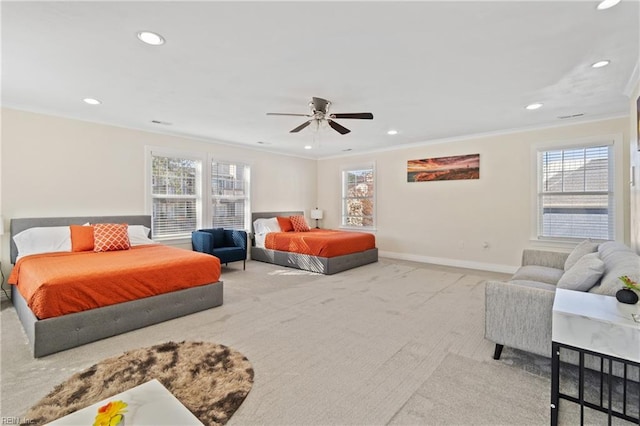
x,y
635,164
54,166
448,222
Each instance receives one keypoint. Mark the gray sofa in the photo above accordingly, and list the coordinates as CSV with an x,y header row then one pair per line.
x,y
518,312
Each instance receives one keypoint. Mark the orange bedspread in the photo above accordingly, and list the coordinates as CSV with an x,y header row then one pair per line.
x,y
320,242
56,284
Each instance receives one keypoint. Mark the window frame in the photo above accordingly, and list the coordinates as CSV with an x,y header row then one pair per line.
x,y
247,189
151,152
615,186
343,171
204,204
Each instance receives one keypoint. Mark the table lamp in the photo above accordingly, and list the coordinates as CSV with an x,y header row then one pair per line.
x,y
317,215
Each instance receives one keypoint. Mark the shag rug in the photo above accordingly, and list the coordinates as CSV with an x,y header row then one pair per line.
x,y
211,380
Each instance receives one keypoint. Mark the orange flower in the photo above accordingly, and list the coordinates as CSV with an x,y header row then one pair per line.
x,y
110,414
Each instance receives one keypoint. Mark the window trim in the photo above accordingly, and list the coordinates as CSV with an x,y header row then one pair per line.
x,y
616,174
359,166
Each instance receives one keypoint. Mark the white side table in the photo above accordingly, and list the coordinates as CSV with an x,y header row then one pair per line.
x,y
597,325
148,404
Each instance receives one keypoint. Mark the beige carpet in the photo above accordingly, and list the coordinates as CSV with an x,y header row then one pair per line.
x,y
210,380
368,346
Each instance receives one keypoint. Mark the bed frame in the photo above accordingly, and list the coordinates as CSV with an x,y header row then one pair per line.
x,y
56,334
322,265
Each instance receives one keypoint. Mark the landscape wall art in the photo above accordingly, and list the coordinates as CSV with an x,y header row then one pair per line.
x,y
444,168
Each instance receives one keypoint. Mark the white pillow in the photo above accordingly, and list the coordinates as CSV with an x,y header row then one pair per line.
x,y
139,235
585,247
46,239
265,225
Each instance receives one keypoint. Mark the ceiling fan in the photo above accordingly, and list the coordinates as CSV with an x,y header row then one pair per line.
x,y
320,112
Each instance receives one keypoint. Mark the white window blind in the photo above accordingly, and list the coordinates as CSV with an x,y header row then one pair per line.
x,y
575,197
230,195
175,195
358,197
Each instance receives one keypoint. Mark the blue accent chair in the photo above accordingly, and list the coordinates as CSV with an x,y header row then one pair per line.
x,y
228,245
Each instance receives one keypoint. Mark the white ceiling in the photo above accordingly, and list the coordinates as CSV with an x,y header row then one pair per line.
x,y
431,70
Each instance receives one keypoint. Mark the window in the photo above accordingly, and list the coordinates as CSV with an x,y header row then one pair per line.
x,y
188,191
575,193
175,195
358,202
229,195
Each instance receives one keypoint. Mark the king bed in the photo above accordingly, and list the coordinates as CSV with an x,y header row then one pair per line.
x,y
346,250
138,292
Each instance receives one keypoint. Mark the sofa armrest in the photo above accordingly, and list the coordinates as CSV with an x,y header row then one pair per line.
x,y
518,316
235,238
202,241
550,259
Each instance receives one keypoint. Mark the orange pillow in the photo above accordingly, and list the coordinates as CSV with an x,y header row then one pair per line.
x,y
285,224
299,224
81,237
110,237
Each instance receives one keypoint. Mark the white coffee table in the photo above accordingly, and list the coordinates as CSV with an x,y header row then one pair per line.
x,y
148,404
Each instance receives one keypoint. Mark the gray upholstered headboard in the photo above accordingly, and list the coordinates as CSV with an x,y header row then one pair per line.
x,y
20,224
266,215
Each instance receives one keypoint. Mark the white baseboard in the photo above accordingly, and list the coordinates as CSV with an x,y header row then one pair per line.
x,y
482,266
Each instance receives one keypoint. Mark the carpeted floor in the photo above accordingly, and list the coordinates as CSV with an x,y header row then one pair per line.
x,y
388,343
210,380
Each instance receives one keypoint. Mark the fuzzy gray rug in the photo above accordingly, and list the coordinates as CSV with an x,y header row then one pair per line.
x,y
211,380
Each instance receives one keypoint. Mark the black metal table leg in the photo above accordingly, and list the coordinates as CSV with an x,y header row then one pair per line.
x,y
555,382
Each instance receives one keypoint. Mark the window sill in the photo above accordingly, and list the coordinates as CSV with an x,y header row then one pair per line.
x,y
358,229
558,243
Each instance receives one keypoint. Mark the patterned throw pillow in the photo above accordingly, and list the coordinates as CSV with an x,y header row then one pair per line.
x,y
110,237
299,224
285,224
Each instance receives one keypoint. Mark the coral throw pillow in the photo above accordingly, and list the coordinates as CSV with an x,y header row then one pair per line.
x,y
299,224
110,237
285,224
81,237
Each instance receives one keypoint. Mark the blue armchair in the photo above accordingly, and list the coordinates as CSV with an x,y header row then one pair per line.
x,y
228,245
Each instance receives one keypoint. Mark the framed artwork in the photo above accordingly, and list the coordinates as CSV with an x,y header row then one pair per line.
x,y
444,168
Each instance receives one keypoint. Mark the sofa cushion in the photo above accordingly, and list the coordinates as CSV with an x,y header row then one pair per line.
x,y
534,284
538,273
584,274
618,263
585,247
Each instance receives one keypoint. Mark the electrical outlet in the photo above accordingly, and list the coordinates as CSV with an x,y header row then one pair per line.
x,y
485,245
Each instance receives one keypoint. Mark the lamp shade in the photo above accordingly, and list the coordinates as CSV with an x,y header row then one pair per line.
x,y
316,214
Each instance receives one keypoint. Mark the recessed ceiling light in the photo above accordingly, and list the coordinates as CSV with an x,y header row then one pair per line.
x,y
264,143
347,150
151,38
534,106
307,147
92,101
606,4
392,132
164,123
600,64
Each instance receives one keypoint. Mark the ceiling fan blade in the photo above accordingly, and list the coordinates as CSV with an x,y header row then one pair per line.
x,y
337,127
300,127
319,104
286,113
361,115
